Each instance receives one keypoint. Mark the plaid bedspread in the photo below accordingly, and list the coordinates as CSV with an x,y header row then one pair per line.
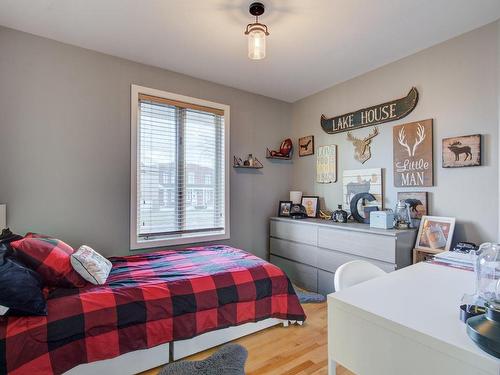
x,y
148,300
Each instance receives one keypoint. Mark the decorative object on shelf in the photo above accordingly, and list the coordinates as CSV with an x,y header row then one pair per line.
x,y
284,209
306,145
256,33
285,151
339,215
462,151
378,114
382,219
325,215
326,164
354,206
412,148
296,197
435,233
311,203
362,149
298,211
484,330
402,216
363,181
250,162
3,216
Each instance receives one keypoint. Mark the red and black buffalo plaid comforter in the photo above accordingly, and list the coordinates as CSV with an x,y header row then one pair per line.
x,y
148,300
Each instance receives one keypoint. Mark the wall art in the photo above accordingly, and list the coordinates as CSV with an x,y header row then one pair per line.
x,y
326,164
412,149
306,145
362,149
377,114
311,203
357,181
417,201
462,151
435,233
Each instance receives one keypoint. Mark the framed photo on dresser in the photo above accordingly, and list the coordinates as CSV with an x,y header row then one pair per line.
x,y
311,203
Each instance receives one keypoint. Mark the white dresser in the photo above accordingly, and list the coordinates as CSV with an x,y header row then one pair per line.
x,y
310,250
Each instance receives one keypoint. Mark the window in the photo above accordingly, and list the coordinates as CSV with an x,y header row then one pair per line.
x,y
177,142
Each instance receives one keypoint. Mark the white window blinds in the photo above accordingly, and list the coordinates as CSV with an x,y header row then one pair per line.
x,y
180,169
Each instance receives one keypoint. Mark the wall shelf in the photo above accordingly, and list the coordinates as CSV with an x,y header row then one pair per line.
x,y
238,163
269,156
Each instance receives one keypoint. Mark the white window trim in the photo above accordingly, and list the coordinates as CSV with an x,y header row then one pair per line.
x,y
190,238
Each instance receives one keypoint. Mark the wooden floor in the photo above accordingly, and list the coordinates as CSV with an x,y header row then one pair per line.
x,y
292,350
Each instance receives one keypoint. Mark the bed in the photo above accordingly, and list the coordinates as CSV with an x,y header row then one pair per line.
x,y
150,304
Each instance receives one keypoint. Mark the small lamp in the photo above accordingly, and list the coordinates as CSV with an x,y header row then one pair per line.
x,y
256,33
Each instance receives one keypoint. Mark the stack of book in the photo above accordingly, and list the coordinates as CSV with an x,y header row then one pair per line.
x,y
455,259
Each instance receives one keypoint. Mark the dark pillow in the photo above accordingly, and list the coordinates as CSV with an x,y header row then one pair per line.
x,y
51,258
20,287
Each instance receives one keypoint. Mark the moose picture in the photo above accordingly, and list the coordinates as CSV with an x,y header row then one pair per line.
x,y
464,151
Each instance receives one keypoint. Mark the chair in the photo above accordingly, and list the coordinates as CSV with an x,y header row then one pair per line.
x,y
355,272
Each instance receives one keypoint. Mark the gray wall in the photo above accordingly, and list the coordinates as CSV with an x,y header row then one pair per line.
x,y
458,86
65,143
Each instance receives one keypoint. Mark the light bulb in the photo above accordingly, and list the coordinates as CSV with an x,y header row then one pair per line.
x,y
256,44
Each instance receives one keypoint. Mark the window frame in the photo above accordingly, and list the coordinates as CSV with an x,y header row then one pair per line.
x,y
177,239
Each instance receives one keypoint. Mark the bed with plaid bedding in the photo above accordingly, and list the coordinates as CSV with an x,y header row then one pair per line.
x,y
148,300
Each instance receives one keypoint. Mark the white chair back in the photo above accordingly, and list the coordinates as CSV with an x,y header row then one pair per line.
x,y
355,272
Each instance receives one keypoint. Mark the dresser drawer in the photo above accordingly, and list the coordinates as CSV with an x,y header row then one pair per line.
x,y
303,233
304,276
330,260
325,282
367,245
294,251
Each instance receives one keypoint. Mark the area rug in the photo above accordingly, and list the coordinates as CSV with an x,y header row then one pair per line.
x,y
308,297
228,360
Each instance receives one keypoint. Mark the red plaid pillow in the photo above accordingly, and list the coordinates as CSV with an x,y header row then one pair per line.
x,y
51,258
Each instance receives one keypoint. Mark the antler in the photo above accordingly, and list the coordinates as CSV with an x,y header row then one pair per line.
x,y
372,135
351,138
420,137
402,140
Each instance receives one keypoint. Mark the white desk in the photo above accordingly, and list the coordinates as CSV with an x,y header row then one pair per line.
x,y
405,323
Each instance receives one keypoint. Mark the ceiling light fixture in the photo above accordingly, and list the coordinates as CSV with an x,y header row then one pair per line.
x,y
257,33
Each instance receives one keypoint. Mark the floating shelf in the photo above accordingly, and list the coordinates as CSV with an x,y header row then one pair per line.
x,y
248,167
269,156
256,164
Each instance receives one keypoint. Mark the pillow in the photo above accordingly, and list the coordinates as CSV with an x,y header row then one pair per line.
x,y
50,257
91,265
20,288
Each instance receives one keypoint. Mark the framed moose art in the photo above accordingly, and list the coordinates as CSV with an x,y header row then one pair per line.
x,y
462,151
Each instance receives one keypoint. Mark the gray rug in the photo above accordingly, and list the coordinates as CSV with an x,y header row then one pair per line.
x,y
308,297
228,360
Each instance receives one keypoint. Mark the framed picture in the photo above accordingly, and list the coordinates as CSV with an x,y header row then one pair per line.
x,y
326,164
311,203
413,154
284,208
356,181
435,233
417,201
462,151
306,145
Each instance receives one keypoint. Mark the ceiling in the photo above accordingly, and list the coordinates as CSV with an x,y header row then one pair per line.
x,y
313,45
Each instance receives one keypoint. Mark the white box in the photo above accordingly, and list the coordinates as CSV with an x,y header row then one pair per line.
x,y
381,219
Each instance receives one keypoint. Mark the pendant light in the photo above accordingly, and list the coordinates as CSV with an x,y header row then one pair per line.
x,y
256,33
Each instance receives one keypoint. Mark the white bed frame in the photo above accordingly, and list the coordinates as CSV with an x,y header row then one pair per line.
x,y
141,360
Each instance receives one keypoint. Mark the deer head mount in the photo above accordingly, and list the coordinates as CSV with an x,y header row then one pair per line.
x,y
362,150
418,139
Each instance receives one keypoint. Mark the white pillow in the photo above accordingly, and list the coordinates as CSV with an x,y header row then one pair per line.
x,y
3,310
91,265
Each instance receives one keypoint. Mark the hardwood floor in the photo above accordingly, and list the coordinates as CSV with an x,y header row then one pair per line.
x,y
292,350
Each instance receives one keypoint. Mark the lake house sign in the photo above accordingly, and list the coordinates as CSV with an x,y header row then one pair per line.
x,y
377,114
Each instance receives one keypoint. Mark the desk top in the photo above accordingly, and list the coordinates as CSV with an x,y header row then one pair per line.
x,y
420,302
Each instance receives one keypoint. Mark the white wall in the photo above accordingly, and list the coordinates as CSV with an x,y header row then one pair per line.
x,y
458,85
